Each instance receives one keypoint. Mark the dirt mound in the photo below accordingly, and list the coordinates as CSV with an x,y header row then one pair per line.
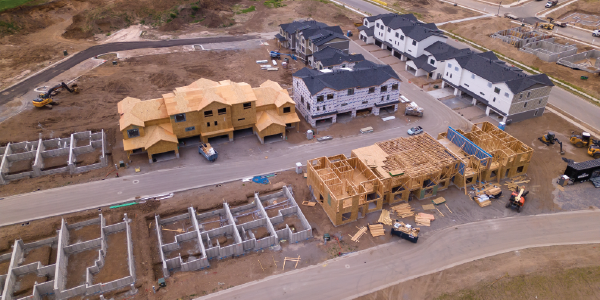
x,y
28,19
216,19
117,87
201,71
164,79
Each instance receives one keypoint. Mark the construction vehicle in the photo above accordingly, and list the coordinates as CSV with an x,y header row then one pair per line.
x,y
358,24
275,54
208,151
557,23
547,26
594,150
583,140
45,99
517,200
549,139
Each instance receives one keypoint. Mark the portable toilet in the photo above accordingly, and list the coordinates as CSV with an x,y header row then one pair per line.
x,y
501,125
309,134
298,168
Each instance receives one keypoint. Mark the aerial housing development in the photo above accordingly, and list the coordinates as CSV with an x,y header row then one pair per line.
x,y
282,149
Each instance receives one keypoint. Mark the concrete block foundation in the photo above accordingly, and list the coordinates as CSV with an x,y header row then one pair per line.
x,y
548,50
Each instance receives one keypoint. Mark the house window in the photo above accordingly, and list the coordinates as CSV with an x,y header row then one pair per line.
x,y
216,123
242,119
414,43
323,107
344,104
222,111
179,118
494,99
318,108
388,97
371,90
528,94
381,99
397,34
525,104
489,84
329,96
343,65
449,65
307,105
432,61
207,124
131,133
366,23
497,90
450,75
302,99
389,29
520,96
394,87
384,89
455,68
472,76
188,129
350,91
402,37
540,101
365,102
287,110
482,94
208,113
320,98
506,95
536,111
466,85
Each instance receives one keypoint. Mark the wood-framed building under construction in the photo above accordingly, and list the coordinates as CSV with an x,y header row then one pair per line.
x,y
418,166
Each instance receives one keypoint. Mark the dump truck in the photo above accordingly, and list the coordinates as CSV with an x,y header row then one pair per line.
x,y
405,231
208,151
412,109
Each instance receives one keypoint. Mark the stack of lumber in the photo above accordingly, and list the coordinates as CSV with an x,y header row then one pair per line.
x,y
403,210
402,227
482,203
514,182
376,230
385,217
358,234
424,219
428,207
438,201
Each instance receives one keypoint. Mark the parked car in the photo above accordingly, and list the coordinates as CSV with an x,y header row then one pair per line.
x,y
415,130
551,3
596,33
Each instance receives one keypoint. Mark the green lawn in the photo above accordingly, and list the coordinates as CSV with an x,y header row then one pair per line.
x,y
6,4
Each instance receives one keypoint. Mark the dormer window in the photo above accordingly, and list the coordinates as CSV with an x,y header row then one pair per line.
x,y
131,133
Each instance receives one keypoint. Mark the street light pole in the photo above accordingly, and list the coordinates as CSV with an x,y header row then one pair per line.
x,y
499,7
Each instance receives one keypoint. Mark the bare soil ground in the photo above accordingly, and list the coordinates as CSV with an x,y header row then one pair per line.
x,y
557,272
84,233
589,7
116,258
44,254
77,264
432,10
25,284
480,30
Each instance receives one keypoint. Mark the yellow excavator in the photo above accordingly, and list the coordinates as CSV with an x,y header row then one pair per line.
x,y
585,140
45,99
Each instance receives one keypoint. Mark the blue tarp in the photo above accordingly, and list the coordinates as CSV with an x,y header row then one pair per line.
x,y
260,179
469,147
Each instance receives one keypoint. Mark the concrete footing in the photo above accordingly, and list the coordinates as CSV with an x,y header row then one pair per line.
x,y
33,159
239,225
57,273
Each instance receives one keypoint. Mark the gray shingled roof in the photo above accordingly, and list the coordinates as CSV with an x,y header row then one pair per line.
x,y
487,66
320,36
442,51
363,75
373,18
330,56
292,27
280,37
594,163
420,31
369,31
421,63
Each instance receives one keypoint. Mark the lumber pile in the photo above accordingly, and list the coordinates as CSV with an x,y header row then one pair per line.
x,y
424,219
309,203
428,207
403,210
482,200
514,182
407,229
358,234
376,230
292,259
384,218
438,201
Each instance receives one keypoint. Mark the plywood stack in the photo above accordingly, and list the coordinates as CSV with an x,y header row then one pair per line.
x,y
384,218
358,234
424,219
376,230
403,210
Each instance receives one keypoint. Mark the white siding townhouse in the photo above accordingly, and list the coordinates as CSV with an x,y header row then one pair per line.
x,y
308,37
288,32
505,90
326,94
403,35
432,63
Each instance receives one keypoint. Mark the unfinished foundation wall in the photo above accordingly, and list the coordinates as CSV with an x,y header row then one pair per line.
x,y
548,50
520,36
588,61
18,160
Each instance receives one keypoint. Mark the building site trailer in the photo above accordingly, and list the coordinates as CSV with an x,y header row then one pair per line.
x,y
583,171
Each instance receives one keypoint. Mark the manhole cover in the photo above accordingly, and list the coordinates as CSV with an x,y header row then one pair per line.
x,y
347,266
136,181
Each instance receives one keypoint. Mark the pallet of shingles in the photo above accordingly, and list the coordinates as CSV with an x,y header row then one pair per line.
x,y
358,234
424,219
403,210
376,230
384,218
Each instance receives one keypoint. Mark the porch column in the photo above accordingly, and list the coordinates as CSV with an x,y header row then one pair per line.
x,y
474,101
443,84
487,111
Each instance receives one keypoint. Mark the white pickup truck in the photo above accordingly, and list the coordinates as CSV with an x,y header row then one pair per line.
x,y
596,33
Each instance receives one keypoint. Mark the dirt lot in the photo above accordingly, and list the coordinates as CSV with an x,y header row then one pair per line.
x,y
479,31
590,7
558,272
431,10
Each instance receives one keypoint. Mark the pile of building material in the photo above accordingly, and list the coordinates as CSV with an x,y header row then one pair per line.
x,y
358,234
406,228
514,183
412,109
482,200
384,218
376,230
403,210
423,219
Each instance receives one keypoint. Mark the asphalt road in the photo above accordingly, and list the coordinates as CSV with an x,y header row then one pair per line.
x,y
377,268
34,81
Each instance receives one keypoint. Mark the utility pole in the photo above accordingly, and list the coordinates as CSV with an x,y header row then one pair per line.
x,y
499,7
